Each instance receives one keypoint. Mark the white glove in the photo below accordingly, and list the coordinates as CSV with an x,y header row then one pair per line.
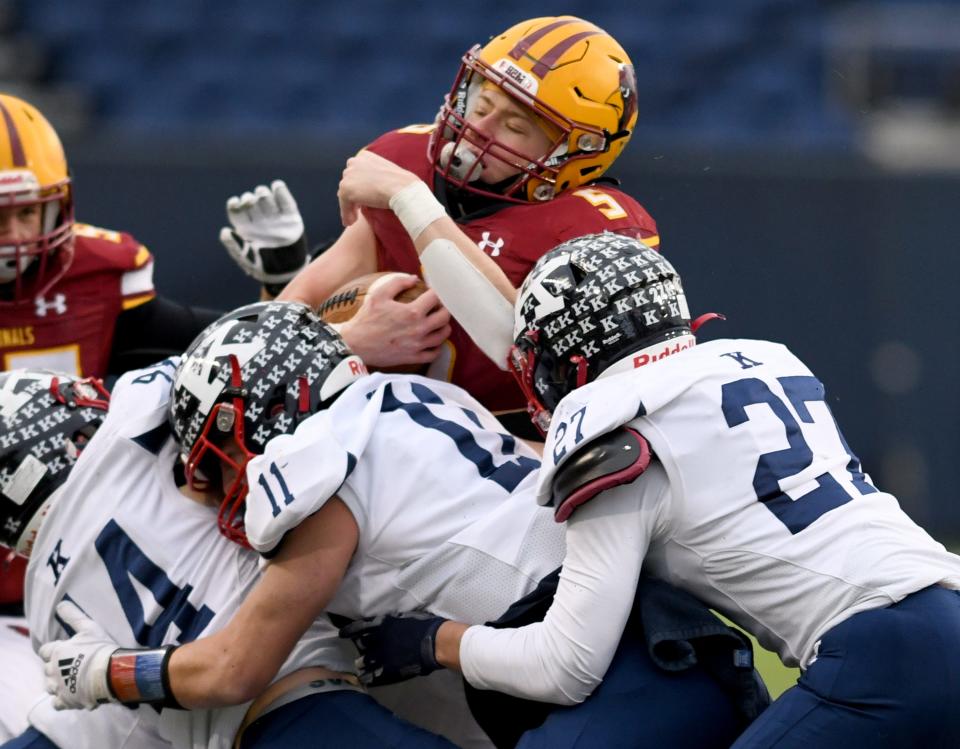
x,y
266,237
75,670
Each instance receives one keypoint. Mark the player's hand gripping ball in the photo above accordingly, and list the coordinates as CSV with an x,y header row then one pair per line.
x,y
346,301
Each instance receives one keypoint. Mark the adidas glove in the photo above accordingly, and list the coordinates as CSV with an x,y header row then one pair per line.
x,y
90,669
75,670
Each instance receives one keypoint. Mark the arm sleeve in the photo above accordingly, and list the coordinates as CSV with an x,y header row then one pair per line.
x,y
563,658
471,298
155,330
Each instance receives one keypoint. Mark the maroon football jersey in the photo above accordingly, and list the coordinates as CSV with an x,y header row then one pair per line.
x,y
515,236
70,327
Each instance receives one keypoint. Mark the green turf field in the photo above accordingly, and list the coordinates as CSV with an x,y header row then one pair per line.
x,y
778,677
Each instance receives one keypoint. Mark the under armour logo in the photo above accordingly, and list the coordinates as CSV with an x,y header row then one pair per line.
x,y
56,561
495,246
58,305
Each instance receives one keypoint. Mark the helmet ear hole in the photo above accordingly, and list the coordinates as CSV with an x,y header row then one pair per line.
x,y
82,436
276,403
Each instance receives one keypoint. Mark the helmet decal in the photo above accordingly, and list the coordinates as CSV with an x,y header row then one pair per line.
x,y
529,40
17,155
628,92
546,63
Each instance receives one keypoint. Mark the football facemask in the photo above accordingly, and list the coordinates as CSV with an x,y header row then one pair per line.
x,y
570,75
33,172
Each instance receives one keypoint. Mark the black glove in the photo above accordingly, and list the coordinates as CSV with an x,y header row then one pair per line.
x,y
394,647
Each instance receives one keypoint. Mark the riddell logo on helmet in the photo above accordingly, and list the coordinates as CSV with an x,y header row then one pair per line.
x,y
20,179
647,355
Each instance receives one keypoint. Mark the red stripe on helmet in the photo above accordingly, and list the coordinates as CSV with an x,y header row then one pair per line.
x,y
16,145
545,64
528,41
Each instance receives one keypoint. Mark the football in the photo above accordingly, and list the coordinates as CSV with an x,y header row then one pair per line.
x,y
345,301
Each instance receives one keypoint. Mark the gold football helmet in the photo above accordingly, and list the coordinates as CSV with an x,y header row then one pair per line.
x,y
573,76
33,171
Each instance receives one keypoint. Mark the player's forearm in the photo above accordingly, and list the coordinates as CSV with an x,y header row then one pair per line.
x,y
218,671
563,658
238,662
446,228
425,220
353,255
447,649
471,286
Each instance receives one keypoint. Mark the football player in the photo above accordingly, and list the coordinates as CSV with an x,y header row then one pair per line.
x,y
70,293
80,299
403,492
123,543
718,467
515,163
63,285
45,421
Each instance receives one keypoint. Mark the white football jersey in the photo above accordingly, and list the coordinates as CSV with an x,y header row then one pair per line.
x,y
148,564
768,516
21,676
443,499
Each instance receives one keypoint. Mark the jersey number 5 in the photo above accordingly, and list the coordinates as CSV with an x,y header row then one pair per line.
x,y
815,494
604,202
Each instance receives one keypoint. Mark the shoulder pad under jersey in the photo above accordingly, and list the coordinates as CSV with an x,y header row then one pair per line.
x,y
611,459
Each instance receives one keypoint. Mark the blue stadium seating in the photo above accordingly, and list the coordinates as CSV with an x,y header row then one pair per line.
x,y
742,69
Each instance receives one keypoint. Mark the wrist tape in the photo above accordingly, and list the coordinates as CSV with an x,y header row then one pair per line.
x,y
142,676
416,208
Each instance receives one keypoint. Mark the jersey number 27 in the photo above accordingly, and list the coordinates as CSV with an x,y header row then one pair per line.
x,y
825,492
